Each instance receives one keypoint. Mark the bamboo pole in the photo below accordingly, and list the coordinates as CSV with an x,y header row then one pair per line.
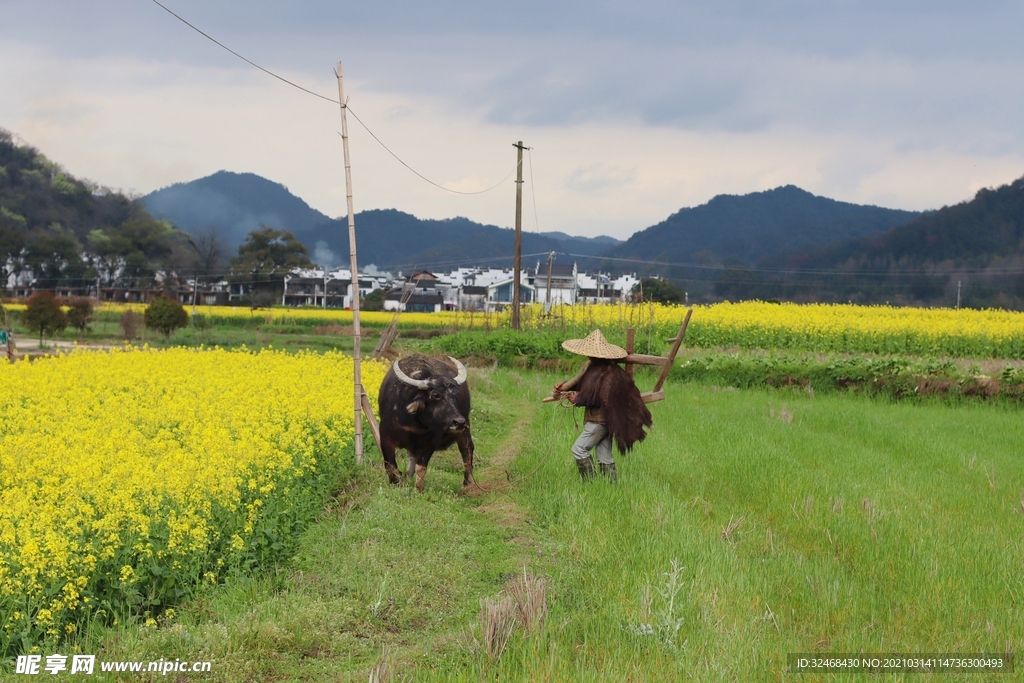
x,y
356,333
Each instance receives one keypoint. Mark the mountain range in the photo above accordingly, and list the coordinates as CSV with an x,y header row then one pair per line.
x,y
784,243
969,254
743,229
727,229
236,203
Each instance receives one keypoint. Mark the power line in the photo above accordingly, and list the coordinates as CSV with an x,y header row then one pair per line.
x,y
449,189
325,98
244,59
800,271
456,262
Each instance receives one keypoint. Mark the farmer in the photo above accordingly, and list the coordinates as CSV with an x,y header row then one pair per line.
x,y
614,408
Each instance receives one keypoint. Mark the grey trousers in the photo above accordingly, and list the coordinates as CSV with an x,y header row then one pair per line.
x,y
594,436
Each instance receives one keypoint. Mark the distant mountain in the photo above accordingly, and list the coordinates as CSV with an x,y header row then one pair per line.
x,y
590,246
975,248
237,203
233,203
398,241
747,228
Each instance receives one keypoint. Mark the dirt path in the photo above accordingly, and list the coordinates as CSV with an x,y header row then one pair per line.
x,y
495,482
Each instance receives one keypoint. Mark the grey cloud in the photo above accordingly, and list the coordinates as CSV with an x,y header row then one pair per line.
x,y
599,177
917,72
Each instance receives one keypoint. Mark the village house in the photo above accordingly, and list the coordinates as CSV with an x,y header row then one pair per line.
x,y
563,287
320,288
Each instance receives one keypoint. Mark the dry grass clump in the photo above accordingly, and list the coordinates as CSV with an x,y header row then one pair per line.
x,y
523,603
384,670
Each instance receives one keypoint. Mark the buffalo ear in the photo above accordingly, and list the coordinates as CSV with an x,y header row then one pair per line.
x,y
414,407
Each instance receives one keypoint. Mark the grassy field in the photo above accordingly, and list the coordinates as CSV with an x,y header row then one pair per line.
x,y
749,525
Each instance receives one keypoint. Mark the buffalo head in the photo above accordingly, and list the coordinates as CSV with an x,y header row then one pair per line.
x,y
436,403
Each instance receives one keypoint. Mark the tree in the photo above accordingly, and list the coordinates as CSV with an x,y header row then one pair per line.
x,y
210,251
80,313
267,255
43,315
12,241
138,245
374,301
657,290
55,257
165,315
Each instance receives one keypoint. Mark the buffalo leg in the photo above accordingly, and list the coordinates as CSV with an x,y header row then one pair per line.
x,y
421,476
387,447
410,471
465,442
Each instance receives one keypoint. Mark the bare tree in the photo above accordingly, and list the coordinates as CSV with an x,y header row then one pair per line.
x,y
210,249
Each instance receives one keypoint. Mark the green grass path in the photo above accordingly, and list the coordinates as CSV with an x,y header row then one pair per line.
x,y
750,524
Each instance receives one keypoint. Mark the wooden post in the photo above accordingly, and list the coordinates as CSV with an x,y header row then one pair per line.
x,y
372,421
677,342
519,237
630,348
356,333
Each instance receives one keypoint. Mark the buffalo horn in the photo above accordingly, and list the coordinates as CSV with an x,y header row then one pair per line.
x,y
461,376
418,383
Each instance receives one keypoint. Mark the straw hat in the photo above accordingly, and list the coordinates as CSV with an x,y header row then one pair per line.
x,y
594,345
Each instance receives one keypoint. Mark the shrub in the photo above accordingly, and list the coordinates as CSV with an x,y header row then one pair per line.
x,y
80,313
374,301
43,315
129,324
165,315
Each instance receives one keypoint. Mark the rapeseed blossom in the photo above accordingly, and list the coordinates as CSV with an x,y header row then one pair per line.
x,y
127,478
844,328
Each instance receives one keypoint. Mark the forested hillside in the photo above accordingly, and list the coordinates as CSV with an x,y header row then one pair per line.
x,y
234,204
976,246
733,229
396,240
67,231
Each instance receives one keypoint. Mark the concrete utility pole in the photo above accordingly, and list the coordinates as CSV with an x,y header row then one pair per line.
x,y
519,236
551,255
356,333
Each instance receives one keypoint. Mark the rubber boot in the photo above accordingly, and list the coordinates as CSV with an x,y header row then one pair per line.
x,y
586,466
610,472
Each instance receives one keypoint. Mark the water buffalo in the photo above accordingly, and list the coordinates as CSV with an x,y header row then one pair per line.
x,y
424,408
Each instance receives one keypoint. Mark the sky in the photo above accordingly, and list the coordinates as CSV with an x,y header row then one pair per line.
x,y
632,110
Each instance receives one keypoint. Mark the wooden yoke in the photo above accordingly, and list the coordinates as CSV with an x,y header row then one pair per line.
x,y
631,359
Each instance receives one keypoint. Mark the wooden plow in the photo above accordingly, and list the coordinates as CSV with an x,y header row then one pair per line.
x,y
633,359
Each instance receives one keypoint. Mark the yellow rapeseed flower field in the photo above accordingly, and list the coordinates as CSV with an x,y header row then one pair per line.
x,y
843,328
127,478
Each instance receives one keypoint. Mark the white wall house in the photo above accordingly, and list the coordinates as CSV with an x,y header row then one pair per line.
x,y
563,283
325,289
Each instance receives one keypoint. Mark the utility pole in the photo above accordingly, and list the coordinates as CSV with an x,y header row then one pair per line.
x,y
356,333
519,236
551,255
958,295
195,283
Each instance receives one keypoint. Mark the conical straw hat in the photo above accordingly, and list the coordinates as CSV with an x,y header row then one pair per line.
x,y
594,345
